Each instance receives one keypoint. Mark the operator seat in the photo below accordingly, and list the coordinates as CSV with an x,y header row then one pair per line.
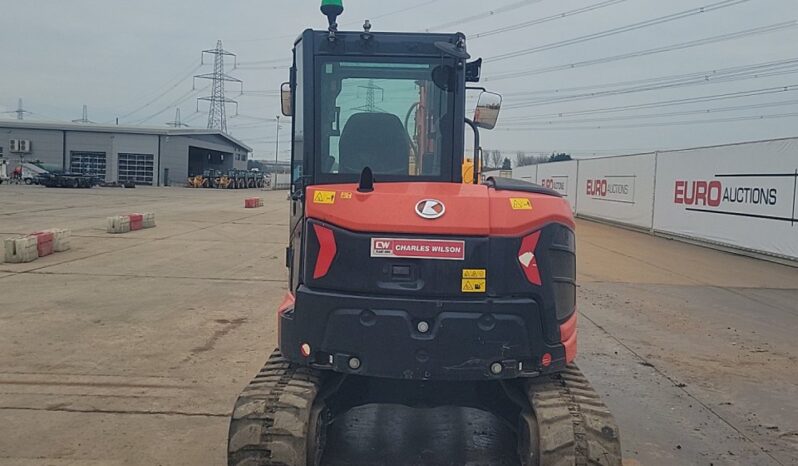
x,y
375,140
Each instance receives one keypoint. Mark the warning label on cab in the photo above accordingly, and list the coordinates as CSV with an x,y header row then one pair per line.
x,y
324,197
418,248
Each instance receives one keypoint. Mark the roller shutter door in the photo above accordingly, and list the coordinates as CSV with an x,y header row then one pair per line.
x,y
136,168
87,163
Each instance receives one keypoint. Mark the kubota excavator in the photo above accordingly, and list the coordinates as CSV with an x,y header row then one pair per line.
x,y
407,285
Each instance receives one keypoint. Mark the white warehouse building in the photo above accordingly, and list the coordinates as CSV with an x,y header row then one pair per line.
x,y
140,155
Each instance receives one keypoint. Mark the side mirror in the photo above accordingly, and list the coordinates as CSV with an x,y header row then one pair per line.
x,y
487,112
285,99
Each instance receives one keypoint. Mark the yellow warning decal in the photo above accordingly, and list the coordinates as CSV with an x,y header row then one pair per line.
x,y
324,197
473,285
474,273
346,195
520,203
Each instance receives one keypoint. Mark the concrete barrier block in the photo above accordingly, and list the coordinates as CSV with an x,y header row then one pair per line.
x,y
21,250
136,221
44,242
62,239
118,224
149,220
253,202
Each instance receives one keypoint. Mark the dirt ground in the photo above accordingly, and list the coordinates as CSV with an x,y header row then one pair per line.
x,y
130,349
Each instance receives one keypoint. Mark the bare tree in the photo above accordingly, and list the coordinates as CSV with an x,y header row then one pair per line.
x,y
495,158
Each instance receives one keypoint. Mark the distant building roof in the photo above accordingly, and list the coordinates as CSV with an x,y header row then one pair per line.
x,y
95,128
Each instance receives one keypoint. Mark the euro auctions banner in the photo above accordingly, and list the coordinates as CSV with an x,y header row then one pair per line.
x,y
620,189
561,177
742,195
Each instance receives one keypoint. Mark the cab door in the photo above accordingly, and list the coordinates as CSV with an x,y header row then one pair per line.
x,y
300,165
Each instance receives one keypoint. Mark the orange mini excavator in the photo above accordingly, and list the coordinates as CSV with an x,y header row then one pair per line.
x,y
407,285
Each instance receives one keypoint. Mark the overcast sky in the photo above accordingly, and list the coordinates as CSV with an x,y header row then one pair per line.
x,y
118,57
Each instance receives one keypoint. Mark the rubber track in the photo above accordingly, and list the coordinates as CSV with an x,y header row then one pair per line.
x,y
574,426
269,425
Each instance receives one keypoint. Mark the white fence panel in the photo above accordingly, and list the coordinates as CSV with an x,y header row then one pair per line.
x,y
526,173
740,195
620,189
279,181
561,177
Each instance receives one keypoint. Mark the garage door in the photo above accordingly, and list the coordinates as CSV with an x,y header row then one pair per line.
x,y
136,168
87,163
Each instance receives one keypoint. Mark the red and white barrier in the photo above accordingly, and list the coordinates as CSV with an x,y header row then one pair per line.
x,y
45,242
28,248
130,222
136,221
253,202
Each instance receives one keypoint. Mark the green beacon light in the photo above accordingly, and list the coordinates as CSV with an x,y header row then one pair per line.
x,y
332,9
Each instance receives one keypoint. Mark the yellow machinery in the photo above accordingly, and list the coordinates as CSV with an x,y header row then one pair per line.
x,y
225,182
468,170
196,181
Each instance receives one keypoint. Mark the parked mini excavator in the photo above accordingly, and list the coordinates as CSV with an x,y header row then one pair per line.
x,y
408,286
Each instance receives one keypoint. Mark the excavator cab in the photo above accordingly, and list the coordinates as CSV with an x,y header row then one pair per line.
x,y
407,285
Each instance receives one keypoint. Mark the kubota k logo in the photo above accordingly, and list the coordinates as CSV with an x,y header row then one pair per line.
x,y
430,208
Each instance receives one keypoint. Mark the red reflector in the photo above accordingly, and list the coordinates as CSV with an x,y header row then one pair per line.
x,y
327,250
304,349
546,360
568,328
568,337
527,259
288,303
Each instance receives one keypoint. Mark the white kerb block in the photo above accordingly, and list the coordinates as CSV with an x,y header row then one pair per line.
x,y
21,250
119,224
148,220
62,239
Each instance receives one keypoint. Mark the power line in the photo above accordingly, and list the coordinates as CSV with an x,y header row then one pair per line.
x,y
261,93
193,117
657,125
256,68
662,115
256,118
182,77
668,48
706,74
672,102
484,14
577,151
395,12
262,62
619,30
351,23
248,126
188,95
535,22
719,79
